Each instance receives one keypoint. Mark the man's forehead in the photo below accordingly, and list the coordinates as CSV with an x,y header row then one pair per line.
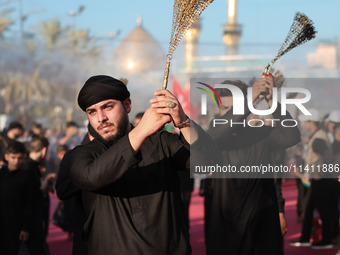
x,y
15,155
101,103
227,99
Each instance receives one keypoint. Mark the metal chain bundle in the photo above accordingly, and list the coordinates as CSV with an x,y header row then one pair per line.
x,y
185,13
301,31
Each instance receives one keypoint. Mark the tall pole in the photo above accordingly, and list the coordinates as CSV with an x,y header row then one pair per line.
x,y
191,42
232,30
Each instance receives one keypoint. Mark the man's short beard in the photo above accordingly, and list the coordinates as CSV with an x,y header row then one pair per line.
x,y
122,125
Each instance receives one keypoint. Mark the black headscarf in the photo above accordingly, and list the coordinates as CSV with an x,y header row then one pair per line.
x,y
99,88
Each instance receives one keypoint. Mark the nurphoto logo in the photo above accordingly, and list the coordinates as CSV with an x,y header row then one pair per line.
x,y
238,99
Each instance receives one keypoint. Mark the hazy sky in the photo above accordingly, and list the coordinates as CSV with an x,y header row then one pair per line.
x,y
263,21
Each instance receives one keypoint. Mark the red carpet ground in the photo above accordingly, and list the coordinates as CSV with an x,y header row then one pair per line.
x,y
59,245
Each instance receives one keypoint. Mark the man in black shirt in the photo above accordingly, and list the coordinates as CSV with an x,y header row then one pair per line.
x,y
129,176
243,209
15,200
67,191
37,153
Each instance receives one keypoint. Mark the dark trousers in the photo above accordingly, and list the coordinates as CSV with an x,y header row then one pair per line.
x,y
322,199
186,197
79,244
36,243
267,238
46,213
303,196
262,236
10,246
9,237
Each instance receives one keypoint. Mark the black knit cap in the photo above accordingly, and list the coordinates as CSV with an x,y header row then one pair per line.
x,y
99,88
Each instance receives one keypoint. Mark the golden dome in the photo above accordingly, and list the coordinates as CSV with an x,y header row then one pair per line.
x,y
139,52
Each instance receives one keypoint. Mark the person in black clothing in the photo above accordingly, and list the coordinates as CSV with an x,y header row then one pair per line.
x,y
67,203
66,190
187,187
336,195
279,157
128,176
15,201
38,149
319,152
243,210
14,131
303,187
205,190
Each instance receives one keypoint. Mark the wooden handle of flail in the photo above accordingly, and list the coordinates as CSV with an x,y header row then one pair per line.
x,y
166,73
266,74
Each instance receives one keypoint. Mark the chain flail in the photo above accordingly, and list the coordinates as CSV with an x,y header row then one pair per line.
x,y
185,13
301,31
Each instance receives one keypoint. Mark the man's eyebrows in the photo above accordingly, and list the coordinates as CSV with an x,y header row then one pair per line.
x,y
106,104
90,109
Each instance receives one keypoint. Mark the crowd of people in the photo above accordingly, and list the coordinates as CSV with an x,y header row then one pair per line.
x,y
125,188
29,162
319,189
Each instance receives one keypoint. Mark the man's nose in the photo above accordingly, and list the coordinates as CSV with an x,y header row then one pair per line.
x,y
101,116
